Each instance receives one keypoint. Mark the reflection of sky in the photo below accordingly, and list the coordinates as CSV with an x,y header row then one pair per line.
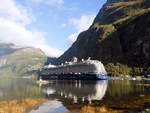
x,y
11,89
50,107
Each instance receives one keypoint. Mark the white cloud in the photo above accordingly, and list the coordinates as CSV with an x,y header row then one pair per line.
x,y
9,10
48,2
13,28
81,24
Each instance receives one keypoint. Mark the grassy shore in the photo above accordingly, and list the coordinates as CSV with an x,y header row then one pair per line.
x,y
19,106
135,104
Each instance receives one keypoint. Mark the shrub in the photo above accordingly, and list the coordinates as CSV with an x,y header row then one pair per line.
x,y
118,69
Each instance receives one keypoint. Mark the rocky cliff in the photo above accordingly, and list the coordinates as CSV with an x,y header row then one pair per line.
x,y
119,37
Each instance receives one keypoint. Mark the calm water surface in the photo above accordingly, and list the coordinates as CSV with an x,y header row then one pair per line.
x,y
80,96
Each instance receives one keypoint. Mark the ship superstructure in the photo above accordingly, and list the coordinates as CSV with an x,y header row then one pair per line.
x,y
85,69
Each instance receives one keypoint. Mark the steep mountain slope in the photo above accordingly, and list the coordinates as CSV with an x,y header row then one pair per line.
x,y
50,60
119,37
21,61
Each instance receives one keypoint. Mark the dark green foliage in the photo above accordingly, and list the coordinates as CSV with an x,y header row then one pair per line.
x,y
118,69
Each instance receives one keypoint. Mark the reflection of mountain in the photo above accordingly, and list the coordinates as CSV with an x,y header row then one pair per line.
x,y
76,91
11,89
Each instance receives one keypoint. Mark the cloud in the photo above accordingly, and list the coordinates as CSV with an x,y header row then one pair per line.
x,y
14,20
9,10
48,2
81,24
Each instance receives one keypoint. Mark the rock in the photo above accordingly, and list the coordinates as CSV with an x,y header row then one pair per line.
x,y
120,33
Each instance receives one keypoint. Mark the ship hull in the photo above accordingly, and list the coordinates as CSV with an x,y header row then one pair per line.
x,y
74,77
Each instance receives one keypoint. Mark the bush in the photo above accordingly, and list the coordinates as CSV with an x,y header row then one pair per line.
x,y
118,69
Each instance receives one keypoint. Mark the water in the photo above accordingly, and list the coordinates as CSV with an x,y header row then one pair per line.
x,y
80,96
12,88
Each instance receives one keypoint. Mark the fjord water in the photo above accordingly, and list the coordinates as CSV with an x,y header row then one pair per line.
x,y
80,96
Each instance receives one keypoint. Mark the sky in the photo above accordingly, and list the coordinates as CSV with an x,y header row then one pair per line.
x,y
51,25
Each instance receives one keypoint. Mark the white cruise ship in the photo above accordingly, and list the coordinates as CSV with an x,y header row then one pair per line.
x,y
83,70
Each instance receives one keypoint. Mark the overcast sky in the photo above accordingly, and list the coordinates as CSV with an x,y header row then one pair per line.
x,y
51,25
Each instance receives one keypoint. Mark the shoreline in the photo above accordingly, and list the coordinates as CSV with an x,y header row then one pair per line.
x,y
20,105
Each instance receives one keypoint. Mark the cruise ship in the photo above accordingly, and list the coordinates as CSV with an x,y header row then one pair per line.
x,y
74,70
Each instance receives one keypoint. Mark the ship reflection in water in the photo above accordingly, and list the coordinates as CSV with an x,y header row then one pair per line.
x,y
80,96
70,96
76,91
94,96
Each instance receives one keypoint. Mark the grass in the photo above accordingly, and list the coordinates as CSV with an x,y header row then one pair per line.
x,y
119,12
103,109
132,14
19,106
129,3
131,105
106,30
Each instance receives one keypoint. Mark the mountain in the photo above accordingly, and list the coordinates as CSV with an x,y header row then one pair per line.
x,y
119,37
20,61
8,48
50,60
